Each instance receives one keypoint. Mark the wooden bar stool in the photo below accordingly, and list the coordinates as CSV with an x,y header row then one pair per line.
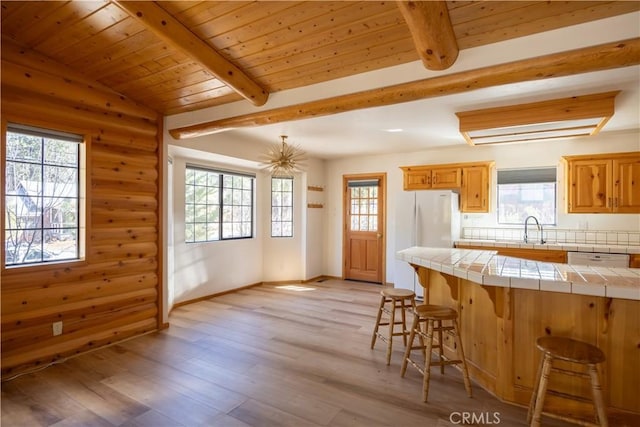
x,y
568,350
400,299
433,316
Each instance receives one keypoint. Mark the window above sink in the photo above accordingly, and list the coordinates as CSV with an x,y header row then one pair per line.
x,y
525,192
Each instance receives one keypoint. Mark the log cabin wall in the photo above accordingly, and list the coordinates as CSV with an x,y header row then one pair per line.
x,y
115,292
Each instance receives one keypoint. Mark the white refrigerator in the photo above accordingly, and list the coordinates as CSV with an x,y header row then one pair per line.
x,y
424,218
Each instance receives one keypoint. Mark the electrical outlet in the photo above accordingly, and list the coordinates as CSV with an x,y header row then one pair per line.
x,y
57,328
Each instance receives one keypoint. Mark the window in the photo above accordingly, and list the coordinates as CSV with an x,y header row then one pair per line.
x,y
218,205
363,197
281,207
42,195
525,192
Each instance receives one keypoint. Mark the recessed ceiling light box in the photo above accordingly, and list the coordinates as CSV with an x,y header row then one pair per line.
x,y
557,118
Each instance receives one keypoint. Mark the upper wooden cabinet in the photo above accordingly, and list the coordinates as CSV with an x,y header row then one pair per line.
x,y
474,196
471,179
603,183
431,177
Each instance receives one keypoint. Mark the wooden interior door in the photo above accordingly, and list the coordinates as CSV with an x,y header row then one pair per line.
x,y
364,226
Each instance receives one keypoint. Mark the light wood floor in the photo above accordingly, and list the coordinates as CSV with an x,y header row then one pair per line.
x,y
265,356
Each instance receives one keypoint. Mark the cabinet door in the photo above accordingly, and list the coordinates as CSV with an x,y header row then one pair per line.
x,y
417,179
475,189
626,181
590,186
446,178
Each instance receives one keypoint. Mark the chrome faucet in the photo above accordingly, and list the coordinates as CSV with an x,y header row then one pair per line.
x,y
526,236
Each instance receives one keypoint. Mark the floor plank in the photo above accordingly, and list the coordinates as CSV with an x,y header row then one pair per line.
x,y
271,355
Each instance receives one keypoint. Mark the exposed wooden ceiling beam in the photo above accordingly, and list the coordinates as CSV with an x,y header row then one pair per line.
x,y
432,32
169,29
594,58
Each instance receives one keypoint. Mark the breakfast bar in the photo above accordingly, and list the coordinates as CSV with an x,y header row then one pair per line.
x,y
506,303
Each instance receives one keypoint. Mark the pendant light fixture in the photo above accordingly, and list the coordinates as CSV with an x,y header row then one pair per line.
x,y
284,159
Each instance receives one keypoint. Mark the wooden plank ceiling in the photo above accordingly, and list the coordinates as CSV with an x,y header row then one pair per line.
x,y
279,45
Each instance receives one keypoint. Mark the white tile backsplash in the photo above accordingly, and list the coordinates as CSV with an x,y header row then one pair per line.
x,y
595,237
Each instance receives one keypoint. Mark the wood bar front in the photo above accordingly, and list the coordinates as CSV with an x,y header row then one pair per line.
x,y
499,327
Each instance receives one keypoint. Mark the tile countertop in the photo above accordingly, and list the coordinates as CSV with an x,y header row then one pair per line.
x,y
559,246
488,268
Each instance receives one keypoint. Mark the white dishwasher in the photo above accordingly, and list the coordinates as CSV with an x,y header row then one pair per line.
x,y
598,259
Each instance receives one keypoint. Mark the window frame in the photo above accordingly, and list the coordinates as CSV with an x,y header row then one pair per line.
x,y
281,221
82,138
535,175
219,204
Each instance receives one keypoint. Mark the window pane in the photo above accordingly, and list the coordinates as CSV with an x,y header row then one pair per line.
x,y
213,231
364,223
373,223
200,232
189,234
247,198
276,214
201,177
24,147
247,183
201,213
246,229
60,181
42,198
517,201
60,153
227,214
227,231
213,213
190,176
213,196
189,194
287,214
237,214
246,214
213,180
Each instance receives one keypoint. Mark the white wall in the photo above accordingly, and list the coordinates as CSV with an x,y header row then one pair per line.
x,y
314,220
283,257
299,257
202,269
507,156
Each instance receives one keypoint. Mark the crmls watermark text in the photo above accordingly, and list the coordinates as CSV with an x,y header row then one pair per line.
x,y
474,418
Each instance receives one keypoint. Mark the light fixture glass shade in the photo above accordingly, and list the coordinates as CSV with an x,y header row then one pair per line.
x,y
283,159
